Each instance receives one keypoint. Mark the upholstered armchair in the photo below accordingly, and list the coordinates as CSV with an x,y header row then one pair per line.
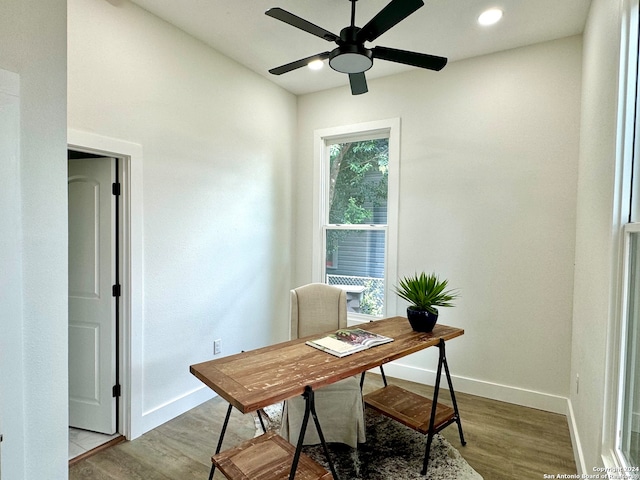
x,y
316,309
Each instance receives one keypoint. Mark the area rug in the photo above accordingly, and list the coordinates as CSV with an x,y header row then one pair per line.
x,y
392,452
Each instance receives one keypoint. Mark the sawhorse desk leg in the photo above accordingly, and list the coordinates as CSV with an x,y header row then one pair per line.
x,y
442,362
310,408
416,411
219,447
229,467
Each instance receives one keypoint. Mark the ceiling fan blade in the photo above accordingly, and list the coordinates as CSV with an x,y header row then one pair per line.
x,y
301,23
298,63
421,60
392,14
358,83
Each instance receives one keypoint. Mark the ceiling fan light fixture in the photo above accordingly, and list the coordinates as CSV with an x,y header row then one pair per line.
x,y
316,65
351,59
490,17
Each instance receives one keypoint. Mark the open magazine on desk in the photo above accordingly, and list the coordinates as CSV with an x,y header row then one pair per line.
x,y
347,341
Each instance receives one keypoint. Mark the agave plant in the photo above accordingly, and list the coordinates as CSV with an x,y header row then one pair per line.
x,y
425,292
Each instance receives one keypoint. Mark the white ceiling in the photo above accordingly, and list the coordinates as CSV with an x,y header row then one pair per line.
x,y
448,28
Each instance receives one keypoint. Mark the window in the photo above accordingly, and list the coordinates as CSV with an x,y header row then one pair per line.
x,y
356,213
627,430
629,411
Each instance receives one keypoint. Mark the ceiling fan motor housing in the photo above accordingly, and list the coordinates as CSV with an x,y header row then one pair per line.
x,y
351,56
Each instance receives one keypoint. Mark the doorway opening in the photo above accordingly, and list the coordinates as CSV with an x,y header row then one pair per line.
x,y
96,289
131,422
94,213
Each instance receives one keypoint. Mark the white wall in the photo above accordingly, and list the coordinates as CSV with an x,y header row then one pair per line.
x,y
218,148
33,253
11,362
489,150
595,235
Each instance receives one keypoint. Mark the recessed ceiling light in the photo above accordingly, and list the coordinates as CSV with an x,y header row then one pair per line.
x,y
316,65
489,17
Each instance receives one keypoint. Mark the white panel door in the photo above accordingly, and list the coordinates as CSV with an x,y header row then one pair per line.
x,y
91,304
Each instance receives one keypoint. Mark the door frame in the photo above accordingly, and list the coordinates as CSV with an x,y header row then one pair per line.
x,y
129,156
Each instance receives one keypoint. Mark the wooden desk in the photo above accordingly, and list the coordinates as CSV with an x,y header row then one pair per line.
x,y
253,380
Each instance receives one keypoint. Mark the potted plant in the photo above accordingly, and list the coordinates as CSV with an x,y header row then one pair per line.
x,y
424,293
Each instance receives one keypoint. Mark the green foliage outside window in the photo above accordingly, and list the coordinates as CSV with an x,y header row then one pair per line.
x,y
357,183
372,302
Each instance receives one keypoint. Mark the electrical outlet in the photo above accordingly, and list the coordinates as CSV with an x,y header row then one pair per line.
x,y
217,346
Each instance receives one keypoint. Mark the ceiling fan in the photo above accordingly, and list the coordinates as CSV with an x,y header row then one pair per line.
x,y
351,56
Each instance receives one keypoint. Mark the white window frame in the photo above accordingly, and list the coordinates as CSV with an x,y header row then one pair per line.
x,y
628,230
627,142
323,138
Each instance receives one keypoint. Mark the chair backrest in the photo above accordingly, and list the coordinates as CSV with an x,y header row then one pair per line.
x,y
317,308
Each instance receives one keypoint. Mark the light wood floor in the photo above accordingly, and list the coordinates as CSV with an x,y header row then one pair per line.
x,y
504,442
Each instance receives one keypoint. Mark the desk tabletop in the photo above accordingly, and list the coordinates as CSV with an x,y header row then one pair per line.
x,y
258,378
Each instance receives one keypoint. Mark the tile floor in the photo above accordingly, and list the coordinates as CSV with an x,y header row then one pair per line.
x,y
81,441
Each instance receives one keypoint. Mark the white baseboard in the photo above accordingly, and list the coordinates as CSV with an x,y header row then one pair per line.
x,y
578,455
494,391
170,410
